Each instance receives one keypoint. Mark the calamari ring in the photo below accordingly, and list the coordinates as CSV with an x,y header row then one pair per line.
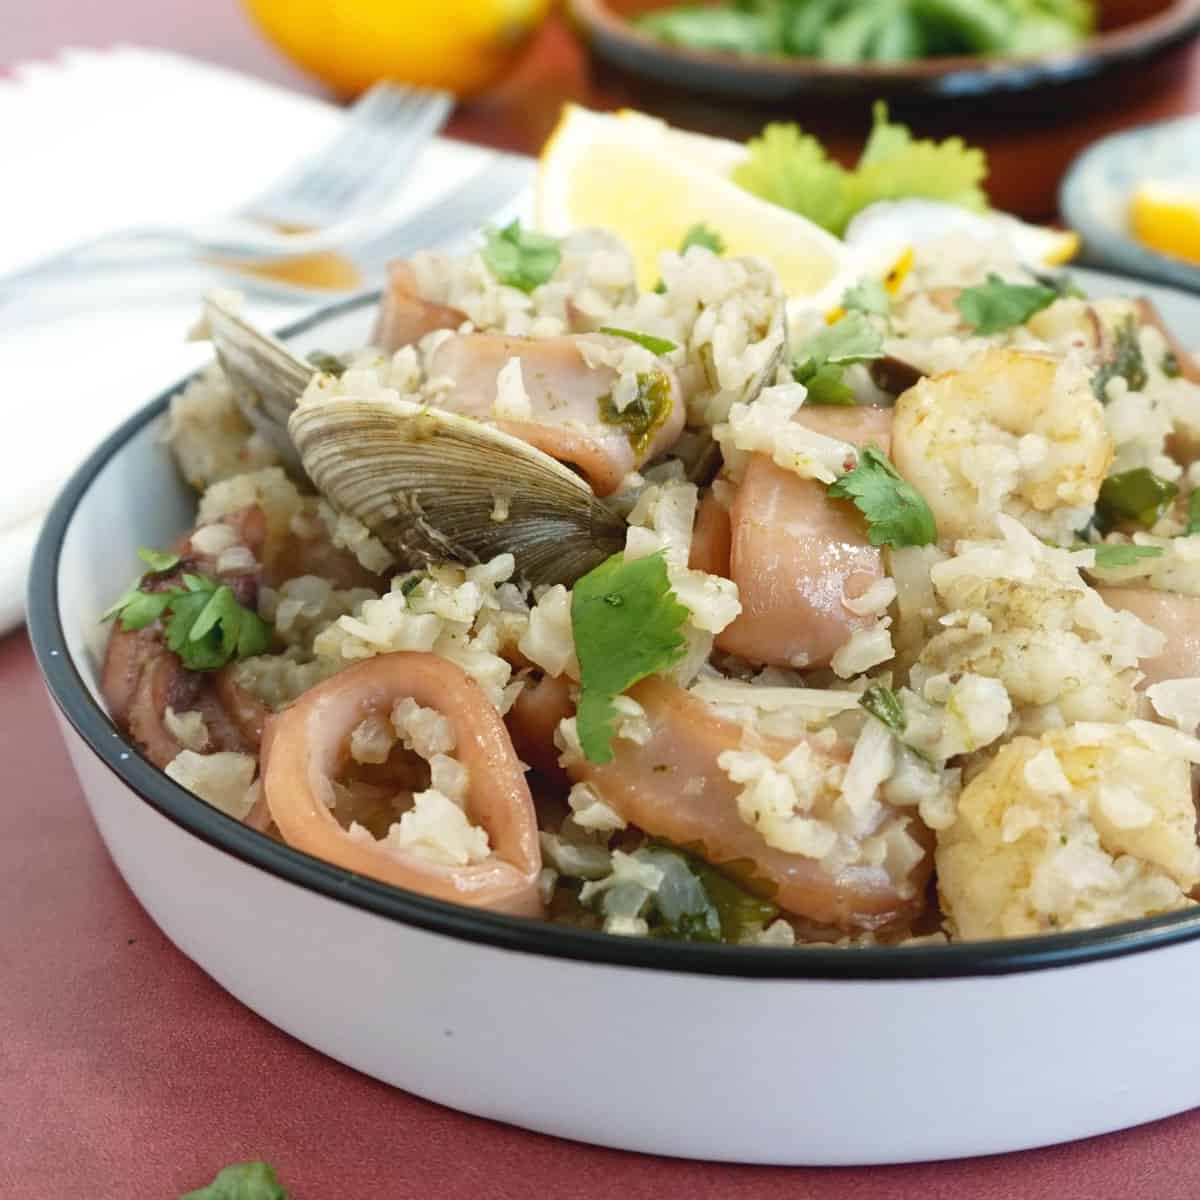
x,y
307,745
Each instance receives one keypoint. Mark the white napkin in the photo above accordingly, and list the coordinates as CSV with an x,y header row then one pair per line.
x,y
97,141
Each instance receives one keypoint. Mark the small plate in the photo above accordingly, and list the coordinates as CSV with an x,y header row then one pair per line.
x,y
1095,196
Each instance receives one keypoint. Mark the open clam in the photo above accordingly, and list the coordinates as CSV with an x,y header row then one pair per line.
x,y
433,485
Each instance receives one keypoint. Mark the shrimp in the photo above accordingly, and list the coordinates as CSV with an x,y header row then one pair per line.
x,y
1012,432
671,786
307,746
1083,826
796,555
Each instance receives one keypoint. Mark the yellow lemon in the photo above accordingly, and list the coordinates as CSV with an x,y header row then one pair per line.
x,y
650,184
460,45
1165,215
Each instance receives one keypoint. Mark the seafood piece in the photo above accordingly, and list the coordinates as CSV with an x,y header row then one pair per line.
x,y
569,398
797,555
308,745
434,486
405,316
534,717
1012,432
671,786
266,377
1175,616
1085,826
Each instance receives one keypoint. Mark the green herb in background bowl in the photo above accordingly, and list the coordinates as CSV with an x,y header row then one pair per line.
x,y
883,31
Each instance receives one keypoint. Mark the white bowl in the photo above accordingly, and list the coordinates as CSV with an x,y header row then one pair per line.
x,y
813,1056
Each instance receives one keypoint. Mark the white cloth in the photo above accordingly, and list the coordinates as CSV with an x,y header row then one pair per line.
x,y
100,140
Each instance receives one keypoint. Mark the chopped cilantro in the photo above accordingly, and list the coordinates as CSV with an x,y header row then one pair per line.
x,y
867,296
820,360
1063,285
1109,554
1170,365
656,345
1126,361
995,305
627,625
693,902
158,560
520,257
896,513
242,1181
885,705
791,168
326,363
203,621
1193,525
701,235
645,413
1138,495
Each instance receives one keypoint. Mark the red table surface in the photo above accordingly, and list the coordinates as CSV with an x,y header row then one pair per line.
x,y
126,1073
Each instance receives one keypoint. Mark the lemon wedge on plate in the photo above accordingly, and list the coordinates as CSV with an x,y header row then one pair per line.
x,y
651,184
1165,215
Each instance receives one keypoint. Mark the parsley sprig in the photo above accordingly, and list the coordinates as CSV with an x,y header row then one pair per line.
x,y
821,360
520,257
896,512
203,621
996,305
868,296
627,625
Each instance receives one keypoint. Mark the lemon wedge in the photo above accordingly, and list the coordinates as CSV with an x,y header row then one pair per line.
x,y
1165,215
650,184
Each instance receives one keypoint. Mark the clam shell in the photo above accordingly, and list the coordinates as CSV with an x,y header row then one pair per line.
x,y
433,486
266,377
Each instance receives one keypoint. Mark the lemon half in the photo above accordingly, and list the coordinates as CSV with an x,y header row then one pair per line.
x,y
1165,215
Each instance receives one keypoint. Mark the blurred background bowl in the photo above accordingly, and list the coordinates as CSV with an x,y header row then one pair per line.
x,y
1130,32
463,46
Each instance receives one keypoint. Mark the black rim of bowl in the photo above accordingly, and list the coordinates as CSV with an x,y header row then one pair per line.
x,y
617,39
90,721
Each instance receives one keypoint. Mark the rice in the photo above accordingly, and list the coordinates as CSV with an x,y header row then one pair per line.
x,y
222,779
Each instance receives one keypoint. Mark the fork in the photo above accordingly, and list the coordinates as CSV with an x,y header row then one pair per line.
x,y
339,194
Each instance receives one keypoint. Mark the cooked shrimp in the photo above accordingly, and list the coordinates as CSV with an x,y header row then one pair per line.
x,y
566,399
797,555
671,786
1012,432
1086,825
307,745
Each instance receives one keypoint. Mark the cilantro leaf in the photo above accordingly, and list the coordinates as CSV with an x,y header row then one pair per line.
x,y
1193,525
701,235
788,167
996,305
242,1181
1138,495
627,625
520,257
867,296
203,621
656,345
1118,554
896,513
1125,361
819,362
158,560
885,705
1064,286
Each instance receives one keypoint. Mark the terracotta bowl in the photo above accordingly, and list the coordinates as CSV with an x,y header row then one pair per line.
x,y
1131,32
